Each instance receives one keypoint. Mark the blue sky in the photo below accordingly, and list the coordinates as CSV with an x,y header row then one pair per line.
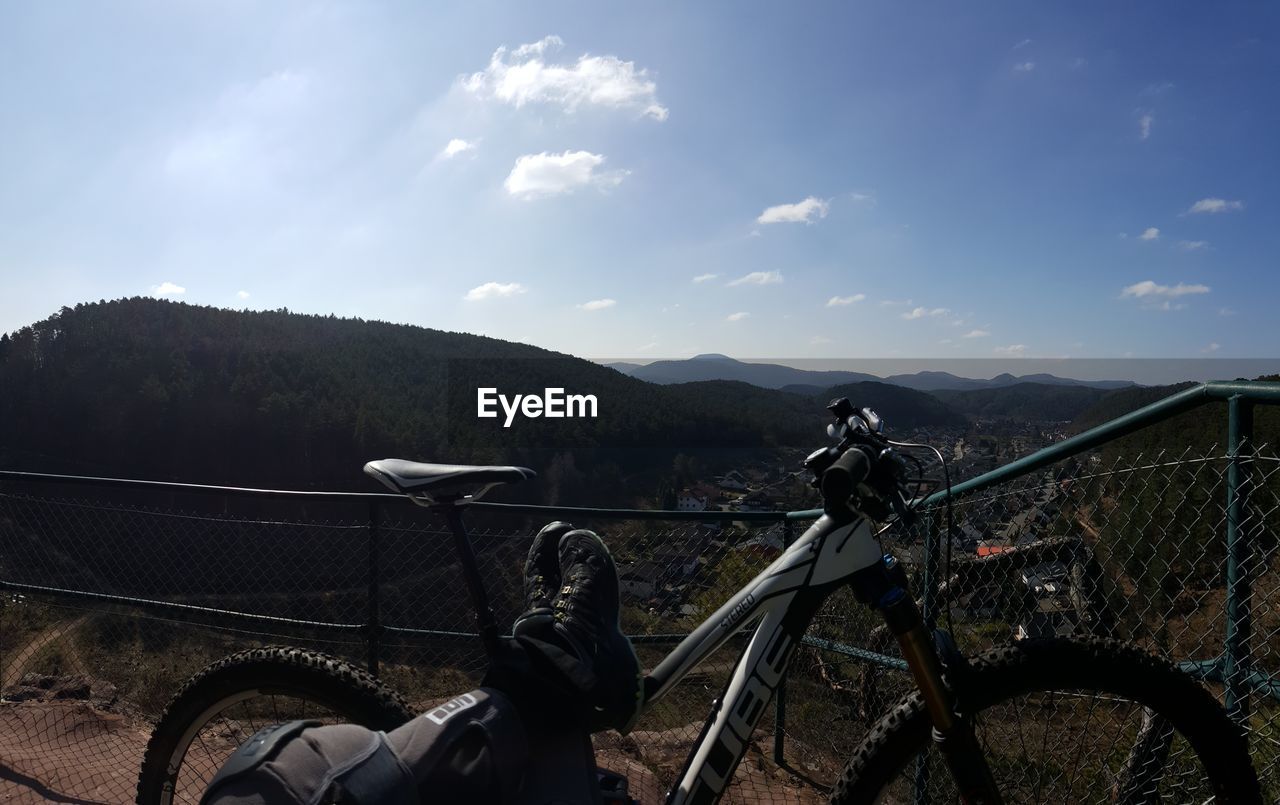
x,y
816,180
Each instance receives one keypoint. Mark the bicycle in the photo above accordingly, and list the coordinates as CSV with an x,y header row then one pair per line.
x,y
967,732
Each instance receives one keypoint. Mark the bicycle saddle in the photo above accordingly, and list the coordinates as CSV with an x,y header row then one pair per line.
x,y
408,477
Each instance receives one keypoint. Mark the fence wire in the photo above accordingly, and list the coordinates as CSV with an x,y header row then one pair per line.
x,y
111,600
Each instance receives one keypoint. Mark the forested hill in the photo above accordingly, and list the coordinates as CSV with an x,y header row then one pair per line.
x,y
901,408
1025,401
149,388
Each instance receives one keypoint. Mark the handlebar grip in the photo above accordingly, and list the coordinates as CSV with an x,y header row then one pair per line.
x,y
844,475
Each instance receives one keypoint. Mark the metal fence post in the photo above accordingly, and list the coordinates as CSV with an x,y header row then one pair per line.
x,y
374,625
780,698
930,578
1236,659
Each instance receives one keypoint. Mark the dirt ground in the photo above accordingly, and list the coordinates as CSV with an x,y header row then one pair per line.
x,y
74,752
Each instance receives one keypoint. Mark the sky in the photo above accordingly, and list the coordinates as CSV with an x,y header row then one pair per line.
x,y
635,181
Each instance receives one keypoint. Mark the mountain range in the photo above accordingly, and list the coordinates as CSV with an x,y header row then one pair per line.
x,y
713,366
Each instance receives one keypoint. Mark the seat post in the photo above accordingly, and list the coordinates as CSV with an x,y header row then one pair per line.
x,y
485,621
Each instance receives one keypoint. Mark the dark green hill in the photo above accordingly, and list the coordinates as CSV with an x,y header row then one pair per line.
x,y
901,408
148,388
1024,401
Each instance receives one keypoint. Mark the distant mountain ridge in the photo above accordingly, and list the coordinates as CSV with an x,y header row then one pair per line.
x,y
713,366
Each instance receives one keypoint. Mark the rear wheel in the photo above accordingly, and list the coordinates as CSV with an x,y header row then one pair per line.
x,y
1078,721
220,707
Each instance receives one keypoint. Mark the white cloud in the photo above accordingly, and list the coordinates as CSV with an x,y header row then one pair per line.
x,y
800,212
1079,63
597,304
1226,311
1024,67
1149,289
894,302
837,301
1213,347
944,340
1215,205
976,334
242,294
1012,349
521,77
167,289
819,339
759,278
921,312
1144,125
646,347
494,290
1193,245
739,316
705,277
456,146
1150,233
1022,44
542,175
1158,89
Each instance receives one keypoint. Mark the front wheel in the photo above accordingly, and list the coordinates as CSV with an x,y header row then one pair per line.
x,y
1077,721
220,707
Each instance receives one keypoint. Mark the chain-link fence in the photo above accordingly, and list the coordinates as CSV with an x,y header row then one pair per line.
x,y
113,596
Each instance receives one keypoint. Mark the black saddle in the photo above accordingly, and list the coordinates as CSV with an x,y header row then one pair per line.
x,y
410,477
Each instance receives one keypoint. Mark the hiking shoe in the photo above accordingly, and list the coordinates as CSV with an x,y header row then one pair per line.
x,y
541,580
587,618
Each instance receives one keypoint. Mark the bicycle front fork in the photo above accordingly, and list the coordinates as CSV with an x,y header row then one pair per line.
x,y
884,586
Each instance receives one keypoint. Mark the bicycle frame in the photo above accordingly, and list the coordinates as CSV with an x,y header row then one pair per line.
x,y
785,597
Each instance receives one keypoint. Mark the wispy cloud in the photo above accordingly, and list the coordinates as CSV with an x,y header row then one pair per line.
x,y
1193,245
1213,346
739,316
1214,205
759,278
522,77
1024,67
1226,311
705,277
976,334
837,301
802,212
819,339
1022,44
1144,125
1149,288
894,302
921,312
494,290
167,289
242,294
1150,233
542,175
456,146
597,304
1154,296
1012,350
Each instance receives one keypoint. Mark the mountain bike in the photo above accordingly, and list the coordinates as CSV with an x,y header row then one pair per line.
x,y
1048,720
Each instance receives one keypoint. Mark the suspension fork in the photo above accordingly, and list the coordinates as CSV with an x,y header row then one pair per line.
x,y
885,587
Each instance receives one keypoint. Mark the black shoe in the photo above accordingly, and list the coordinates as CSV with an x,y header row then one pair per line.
x,y
587,618
541,580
